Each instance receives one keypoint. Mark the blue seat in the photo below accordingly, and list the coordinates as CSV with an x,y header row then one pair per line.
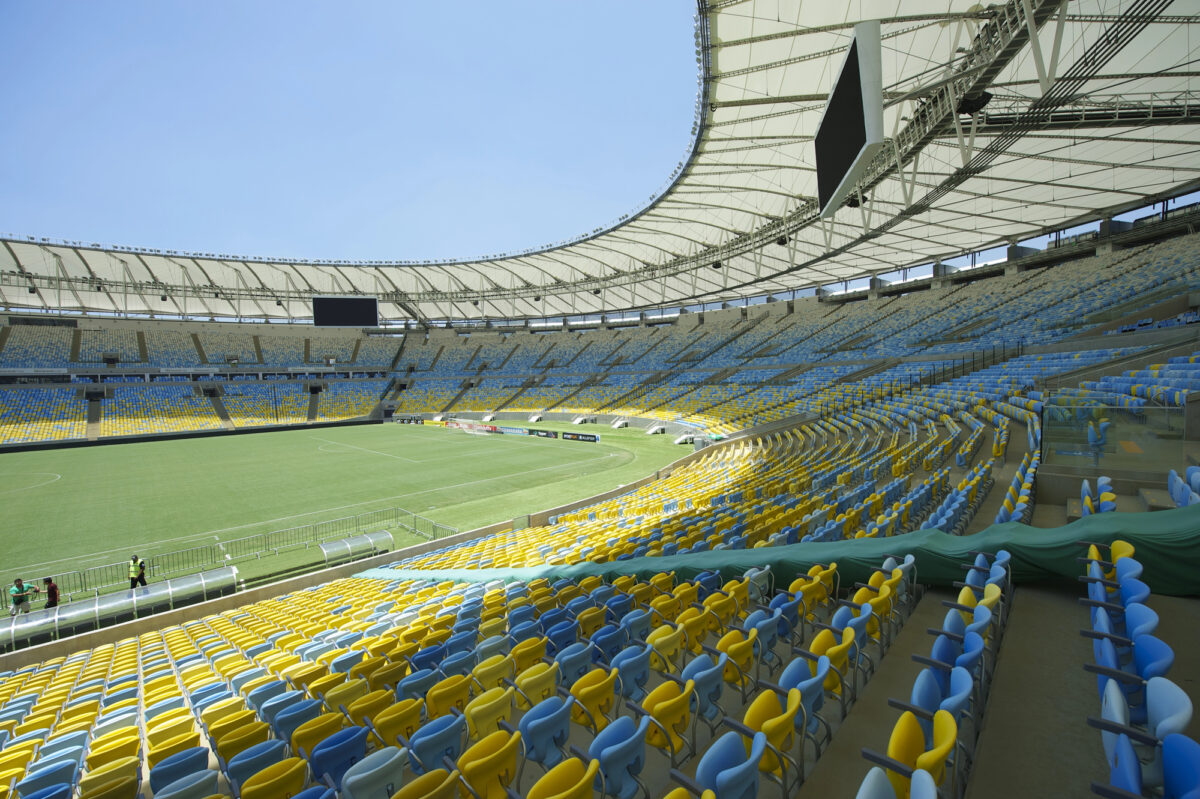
x,y
617,606
417,684
194,786
799,675
726,770
493,645
286,722
461,642
552,618
377,776
247,763
521,615
607,642
1181,767
242,677
574,661
212,698
524,630
458,663
278,703
62,743
162,706
346,661
560,636
260,695
177,766
633,671
59,791
317,792
544,731
63,772
332,757
435,740
708,679
428,658
767,624
636,624
621,750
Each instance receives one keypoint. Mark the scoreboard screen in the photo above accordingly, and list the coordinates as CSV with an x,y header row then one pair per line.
x,y
345,312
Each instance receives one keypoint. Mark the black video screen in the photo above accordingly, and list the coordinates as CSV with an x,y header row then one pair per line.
x,y
345,312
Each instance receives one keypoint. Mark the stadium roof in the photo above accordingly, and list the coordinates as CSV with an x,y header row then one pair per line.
x,y
1091,108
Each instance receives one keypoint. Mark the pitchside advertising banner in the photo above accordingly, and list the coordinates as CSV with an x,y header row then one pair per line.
x,y
476,427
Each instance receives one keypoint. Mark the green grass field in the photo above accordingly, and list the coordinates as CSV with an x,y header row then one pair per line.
x,y
69,509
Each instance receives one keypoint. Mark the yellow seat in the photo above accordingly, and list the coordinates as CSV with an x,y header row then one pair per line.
x,y
667,644
172,746
312,732
671,706
776,720
446,695
118,747
278,781
664,609
122,787
227,724
492,672
366,667
490,765
363,710
528,652
825,643
324,684
536,683
400,720
436,784
907,746
301,675
596,694
486,710
589,620
219,710
241,738
570,779
695,626
387,676
111,771
170,729
740,647
342,696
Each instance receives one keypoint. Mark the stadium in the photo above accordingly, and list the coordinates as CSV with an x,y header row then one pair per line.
x,y
859,460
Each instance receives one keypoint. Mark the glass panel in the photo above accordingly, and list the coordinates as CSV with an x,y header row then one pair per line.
x,y
1106,431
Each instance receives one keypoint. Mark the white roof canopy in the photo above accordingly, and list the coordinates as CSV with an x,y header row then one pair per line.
x,y
1091,108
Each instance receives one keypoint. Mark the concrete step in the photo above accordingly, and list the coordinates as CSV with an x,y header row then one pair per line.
x,y
1034,739
1156,499
869,723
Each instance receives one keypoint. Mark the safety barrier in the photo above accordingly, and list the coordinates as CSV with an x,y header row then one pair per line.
x,y
223,553
71,618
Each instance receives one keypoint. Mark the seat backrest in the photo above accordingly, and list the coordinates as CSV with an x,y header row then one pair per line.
x,y
377,776
435,740
243,765
1181,767
621,749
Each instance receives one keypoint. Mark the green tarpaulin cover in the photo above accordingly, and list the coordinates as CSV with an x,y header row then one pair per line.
x,y
1167,543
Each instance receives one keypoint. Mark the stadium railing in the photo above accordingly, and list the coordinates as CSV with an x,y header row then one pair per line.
x,y
222,553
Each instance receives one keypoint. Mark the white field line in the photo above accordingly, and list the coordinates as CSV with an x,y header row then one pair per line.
x,y
54,477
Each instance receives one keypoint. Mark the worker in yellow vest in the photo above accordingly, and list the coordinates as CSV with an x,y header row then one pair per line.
x,y
137,572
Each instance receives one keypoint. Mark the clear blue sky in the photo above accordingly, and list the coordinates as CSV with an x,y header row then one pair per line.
x,y
363,130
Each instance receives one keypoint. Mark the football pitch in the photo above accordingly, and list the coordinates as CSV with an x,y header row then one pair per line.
x,y
69,509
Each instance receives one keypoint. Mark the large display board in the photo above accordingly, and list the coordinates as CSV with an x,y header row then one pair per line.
x,y
851,130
